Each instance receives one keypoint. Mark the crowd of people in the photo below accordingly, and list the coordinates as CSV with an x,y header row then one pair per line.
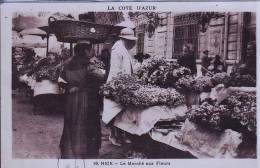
x,y
79,81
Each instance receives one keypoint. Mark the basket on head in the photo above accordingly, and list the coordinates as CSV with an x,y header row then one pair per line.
x,y
72,31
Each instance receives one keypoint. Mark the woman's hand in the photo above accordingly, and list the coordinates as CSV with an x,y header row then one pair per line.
x,y
73,89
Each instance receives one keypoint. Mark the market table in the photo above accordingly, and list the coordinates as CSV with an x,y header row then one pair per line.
x,y
140,121
200,142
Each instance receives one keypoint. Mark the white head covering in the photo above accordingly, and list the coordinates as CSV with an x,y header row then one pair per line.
x,y
128,34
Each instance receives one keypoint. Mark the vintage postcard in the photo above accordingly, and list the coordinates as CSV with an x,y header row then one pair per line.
x,y
130,84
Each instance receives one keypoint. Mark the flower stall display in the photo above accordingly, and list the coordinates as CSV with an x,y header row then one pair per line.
x,y
165,74
160,84
161,72
46,69
23,59
130,91
200,84
237,112
209,115
239,80
241,76
221,78
243,110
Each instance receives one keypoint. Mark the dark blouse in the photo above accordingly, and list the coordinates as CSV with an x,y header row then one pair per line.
x,y
79,73
188,61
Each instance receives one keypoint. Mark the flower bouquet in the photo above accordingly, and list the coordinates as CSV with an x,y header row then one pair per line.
x,y
97,62
47,73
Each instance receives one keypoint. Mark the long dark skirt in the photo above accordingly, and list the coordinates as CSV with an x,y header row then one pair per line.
x,y
81,136
48,104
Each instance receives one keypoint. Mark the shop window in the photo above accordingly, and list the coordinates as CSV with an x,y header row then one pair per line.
x,y
186,30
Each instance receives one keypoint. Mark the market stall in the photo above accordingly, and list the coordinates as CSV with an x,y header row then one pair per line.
x,y
207,116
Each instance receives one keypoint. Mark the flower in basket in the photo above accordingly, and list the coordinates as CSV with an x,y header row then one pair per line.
x,y
175,98
180,72
243,107
209,115
220,78
237,112
185,84
176,74
238,80
240,76
203,84
157,71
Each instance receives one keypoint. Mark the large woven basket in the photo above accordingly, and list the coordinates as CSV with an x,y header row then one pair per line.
x,y
72,31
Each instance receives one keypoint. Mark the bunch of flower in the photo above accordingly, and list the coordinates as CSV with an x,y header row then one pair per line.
x,y
120,86
97,62
23,59
239,80
220,78
203,84
46,69
45,72
185,84
241,77
236,112
130,91
161,72
151,96
190,84
210,115
243,107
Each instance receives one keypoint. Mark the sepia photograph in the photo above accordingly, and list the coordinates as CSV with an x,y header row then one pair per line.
x,y
133,85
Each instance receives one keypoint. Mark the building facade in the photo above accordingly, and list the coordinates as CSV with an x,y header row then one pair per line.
x,y
226,35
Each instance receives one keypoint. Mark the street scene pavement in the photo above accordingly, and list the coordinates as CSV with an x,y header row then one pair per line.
x,y
38,136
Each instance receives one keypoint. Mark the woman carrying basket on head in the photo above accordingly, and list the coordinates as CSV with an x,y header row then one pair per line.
x,y
81,136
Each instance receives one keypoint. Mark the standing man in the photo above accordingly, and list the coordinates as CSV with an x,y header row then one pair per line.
x,y
120,62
